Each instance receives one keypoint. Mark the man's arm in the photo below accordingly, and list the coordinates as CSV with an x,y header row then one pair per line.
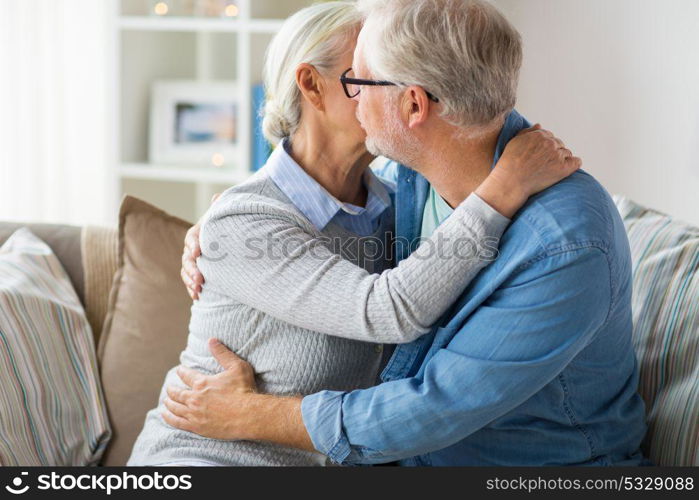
x,y
279,420
511,347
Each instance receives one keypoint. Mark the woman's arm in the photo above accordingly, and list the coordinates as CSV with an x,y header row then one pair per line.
x,y
272,260
277,264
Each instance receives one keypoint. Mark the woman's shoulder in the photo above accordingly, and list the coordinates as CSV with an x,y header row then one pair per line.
x,y
254,200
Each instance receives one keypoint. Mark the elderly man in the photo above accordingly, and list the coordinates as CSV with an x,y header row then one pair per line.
x,y
534,364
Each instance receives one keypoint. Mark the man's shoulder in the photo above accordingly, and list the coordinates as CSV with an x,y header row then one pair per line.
x,y
574,213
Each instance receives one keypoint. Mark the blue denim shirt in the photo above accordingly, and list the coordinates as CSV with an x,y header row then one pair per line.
x,y
533,365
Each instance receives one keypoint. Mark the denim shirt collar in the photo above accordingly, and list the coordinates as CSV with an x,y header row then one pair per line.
x,y
413,190
514,123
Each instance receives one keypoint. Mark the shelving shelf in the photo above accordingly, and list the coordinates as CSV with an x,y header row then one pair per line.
x,y
150,48
178,173
188,24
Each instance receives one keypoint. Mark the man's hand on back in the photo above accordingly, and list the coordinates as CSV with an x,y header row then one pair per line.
x,y
228,406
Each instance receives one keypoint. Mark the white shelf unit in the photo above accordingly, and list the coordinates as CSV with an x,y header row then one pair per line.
x,y
151,48
202,25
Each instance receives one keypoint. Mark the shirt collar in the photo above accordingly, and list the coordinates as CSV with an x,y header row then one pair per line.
x,y
514,123
313,200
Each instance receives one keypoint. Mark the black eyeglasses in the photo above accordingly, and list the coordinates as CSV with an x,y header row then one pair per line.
x,y
353,86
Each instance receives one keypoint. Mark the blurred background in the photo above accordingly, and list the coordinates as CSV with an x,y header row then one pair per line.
x,y
158,99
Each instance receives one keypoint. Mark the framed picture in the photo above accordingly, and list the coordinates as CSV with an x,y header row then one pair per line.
x,y
194,123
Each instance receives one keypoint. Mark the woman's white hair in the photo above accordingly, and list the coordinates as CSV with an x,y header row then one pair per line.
x,y
463,51
317,35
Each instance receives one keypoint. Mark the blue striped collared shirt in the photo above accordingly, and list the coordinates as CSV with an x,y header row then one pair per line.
x,y
321,207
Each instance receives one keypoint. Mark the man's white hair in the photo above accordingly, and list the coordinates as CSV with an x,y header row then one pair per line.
x,y
462,51
317,35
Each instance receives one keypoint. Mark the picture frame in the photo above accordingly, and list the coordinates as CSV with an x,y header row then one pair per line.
x,y
194,123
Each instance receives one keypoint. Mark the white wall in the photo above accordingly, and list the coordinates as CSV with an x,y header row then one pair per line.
x,y
618,81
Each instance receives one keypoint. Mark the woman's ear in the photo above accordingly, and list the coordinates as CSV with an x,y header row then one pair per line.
x,y
415,106
310,83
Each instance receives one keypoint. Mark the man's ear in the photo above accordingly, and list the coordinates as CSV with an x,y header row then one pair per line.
x,y
416,106
310,84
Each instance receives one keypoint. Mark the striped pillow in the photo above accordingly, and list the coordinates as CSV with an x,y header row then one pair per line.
x,y
666,330
51,407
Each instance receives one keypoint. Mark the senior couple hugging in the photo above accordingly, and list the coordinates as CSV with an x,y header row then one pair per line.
x,y
468,302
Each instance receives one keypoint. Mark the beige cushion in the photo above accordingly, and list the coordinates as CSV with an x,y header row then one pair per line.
x,y
665,256
147,322
52,411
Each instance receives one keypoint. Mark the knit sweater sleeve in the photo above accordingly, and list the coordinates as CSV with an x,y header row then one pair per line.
x,y
270,259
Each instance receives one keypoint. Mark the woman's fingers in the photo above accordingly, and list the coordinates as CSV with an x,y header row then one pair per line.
x,y
192,288
530,129
573,163
191,241
186,279
190,267
191,251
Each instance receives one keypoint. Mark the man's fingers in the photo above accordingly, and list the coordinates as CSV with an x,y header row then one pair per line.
x,y
188,376
177,409
177,394
176,421
225,357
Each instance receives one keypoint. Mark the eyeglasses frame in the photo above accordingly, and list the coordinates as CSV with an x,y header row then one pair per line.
x,y
374,83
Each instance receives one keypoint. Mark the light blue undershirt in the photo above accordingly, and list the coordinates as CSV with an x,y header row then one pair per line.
x,y
436,211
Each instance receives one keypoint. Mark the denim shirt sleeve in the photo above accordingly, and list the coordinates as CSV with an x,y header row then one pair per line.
x,y
515,343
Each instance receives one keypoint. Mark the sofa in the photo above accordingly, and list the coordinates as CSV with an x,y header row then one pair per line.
x,y
666,339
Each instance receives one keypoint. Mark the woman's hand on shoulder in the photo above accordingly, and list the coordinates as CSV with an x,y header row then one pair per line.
x,y
532,162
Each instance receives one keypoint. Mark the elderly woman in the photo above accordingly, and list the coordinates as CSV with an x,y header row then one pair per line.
x,y
297,260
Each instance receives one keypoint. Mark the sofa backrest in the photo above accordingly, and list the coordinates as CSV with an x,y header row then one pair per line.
x,y
665,255
65,243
